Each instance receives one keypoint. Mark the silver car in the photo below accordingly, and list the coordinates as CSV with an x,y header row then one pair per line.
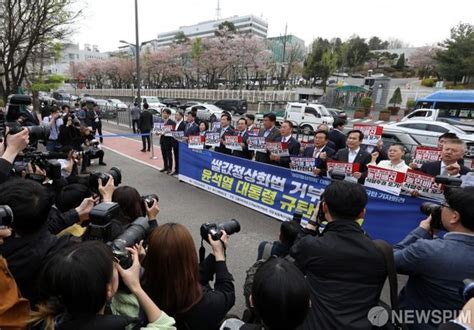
x,y
205,111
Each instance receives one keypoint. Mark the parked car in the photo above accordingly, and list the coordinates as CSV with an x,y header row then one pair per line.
x,y
308,116
62,98
427,132
171,103
157,114
117,104
205,111
187,105
336,113
153,102
357,75
234,106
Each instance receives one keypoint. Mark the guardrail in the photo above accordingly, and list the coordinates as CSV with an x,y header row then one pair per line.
x,y
195,94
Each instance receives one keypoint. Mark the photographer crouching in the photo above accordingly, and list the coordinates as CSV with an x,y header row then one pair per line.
x,y
437,266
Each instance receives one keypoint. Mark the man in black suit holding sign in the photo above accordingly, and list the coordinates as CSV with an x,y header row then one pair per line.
x,y
270,133
225,130
354,154
453,151
286,130
180,126
320,151
242,132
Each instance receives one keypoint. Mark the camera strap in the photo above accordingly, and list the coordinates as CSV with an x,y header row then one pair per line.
x,y
202,252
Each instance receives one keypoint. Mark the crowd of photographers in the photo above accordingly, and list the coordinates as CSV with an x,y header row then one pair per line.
x,y
85,252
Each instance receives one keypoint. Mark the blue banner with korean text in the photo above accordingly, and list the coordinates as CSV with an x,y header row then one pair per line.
x,y
279,192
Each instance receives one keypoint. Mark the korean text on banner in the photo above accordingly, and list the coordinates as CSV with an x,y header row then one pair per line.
x,y
384,179
426,154
279,192
372,133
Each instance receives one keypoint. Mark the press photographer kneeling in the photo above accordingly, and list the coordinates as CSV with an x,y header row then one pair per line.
x,y
437,266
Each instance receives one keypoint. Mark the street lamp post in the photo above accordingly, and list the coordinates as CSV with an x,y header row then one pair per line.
x,y
137,54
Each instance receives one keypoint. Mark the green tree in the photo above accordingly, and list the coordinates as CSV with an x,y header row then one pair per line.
x,y
49,83
321,62
400,66
375,43
457,58
358,52
396,97
180,38
196,55
226,30
380,57
25,26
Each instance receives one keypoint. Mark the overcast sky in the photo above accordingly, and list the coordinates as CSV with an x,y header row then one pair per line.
x,y
417,22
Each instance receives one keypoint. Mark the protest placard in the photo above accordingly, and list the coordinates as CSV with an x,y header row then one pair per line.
x,y
278,148
257,143
372,133
196,142
383,179
426,154
213,139
302,164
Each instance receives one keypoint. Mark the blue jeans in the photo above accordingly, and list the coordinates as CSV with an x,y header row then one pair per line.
x,y
51,145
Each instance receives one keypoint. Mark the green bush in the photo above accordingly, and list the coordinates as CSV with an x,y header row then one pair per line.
x,y
366,102
2,104
411,103
428,82
451,86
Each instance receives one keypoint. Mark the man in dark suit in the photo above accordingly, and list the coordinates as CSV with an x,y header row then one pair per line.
x,y
336,135
270,133
191,127
286,131
166,143
242,131
225,130
354,154
453,151
145,124
320,151
180,126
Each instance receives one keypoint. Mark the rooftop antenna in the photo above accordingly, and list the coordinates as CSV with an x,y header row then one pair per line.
x,y
218,10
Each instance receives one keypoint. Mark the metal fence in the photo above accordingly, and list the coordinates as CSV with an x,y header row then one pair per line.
x,y
195,94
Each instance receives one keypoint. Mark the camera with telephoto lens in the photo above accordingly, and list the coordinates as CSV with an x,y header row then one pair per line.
x,y
135,232
215,230
100,228
46,161
435,211
6,216
16,112
114,172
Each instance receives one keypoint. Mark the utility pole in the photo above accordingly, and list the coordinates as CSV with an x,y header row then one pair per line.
x,y
282,74
137,53
218,10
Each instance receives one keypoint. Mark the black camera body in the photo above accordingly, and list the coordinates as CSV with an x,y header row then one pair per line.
x,y
150,199
100,217
44,160
6,216
435,211
215,230
17,113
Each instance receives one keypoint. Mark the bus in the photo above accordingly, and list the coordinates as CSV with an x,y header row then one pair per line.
x,y
452,105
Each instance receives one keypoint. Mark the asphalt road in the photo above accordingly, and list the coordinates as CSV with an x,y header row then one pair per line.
x,y
190,206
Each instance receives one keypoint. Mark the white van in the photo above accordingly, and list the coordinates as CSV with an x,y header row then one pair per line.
x,y
308,116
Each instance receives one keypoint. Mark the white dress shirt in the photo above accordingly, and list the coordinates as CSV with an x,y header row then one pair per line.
x,y
352,155
400,167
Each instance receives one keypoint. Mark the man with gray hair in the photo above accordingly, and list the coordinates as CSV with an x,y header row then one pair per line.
x,y
135,113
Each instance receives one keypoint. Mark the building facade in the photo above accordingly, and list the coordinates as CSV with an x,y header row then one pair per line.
x,y
249,24
292,44
72,54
